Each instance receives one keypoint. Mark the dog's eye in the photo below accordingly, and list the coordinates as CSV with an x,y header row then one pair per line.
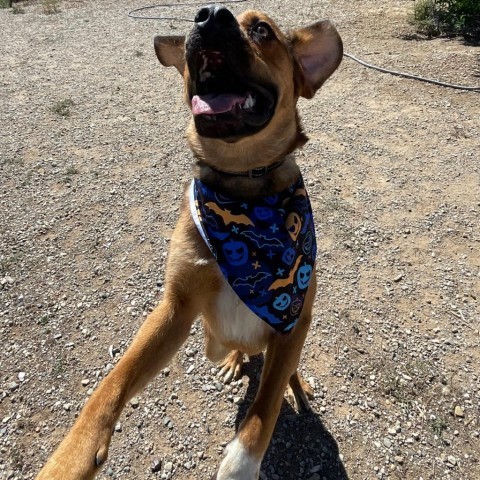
x,y
262,31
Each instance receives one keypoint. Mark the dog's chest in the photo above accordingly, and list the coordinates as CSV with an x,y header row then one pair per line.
x,y
236,323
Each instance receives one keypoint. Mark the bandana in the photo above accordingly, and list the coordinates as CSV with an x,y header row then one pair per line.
x,y
265,248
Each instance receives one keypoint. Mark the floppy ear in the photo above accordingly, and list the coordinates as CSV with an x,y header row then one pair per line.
x,y
318,50
171,51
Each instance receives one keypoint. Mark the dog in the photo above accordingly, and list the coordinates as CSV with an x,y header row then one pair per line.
x,y
242,79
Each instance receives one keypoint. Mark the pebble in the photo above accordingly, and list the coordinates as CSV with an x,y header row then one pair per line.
x,y
21,376
12,386
85,382
392,431
190,369
67,406
399,459
238,400
134,402
156,465
451,460
387,442
459,412
168,467
118,427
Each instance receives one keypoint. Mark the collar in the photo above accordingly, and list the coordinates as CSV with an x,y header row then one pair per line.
x,y
253,173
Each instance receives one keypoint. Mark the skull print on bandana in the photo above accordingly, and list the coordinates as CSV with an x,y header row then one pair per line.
x,y
265,248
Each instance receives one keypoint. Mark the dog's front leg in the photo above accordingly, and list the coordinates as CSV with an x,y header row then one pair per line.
x,y
85,448
244,454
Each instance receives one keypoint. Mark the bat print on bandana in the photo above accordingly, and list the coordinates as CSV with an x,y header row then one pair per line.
x,y
265,247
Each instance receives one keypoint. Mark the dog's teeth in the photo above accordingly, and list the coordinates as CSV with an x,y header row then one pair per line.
x,y
249,102
204,75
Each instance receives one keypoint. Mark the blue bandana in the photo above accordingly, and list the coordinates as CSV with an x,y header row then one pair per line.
x,y
265,248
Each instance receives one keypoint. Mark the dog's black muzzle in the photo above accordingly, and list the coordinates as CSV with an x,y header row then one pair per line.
x,y
227,100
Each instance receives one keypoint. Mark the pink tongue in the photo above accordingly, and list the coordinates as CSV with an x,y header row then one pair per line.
x,y
212,104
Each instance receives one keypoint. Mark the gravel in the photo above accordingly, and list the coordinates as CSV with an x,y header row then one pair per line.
x,y
93,161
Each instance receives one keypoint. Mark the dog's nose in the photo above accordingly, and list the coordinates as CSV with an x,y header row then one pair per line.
x,y
213,17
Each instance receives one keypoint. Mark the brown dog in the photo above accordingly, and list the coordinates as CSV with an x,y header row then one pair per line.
x,y
243,78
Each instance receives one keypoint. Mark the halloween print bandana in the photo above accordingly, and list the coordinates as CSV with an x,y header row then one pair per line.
x,y
265,249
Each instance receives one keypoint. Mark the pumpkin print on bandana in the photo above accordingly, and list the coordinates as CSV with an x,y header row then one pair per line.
x,y
265,248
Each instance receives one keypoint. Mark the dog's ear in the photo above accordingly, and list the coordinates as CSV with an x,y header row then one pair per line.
x,y
171,51
318,50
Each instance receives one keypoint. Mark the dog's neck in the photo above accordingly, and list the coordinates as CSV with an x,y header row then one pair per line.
x,y
280,175
253,173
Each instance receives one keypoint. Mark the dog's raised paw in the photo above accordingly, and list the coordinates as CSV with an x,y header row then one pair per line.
x,y
231,366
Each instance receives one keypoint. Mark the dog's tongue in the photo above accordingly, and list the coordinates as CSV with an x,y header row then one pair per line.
x,y
212,104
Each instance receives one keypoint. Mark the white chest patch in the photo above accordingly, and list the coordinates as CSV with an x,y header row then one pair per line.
x,y
238,464
237,322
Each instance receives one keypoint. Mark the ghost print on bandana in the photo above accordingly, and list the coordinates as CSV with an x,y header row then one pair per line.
x,y
265,248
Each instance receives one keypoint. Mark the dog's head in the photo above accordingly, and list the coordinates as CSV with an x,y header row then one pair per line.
x,y
243,78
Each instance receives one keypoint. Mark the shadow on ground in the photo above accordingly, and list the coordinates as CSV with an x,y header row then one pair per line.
x,y
301,446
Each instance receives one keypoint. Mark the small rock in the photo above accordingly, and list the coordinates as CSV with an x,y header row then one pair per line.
x,y
238,400
134,402
118,427
21,376
399,459
85,382
451,460
112,351
168,467
67,406
398,277
156,465
392,431
387,442
190,369
459,412
12,386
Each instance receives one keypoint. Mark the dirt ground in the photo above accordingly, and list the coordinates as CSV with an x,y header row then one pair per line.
x,y
93,161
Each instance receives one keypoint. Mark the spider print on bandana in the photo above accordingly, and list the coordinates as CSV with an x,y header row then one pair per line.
x,y
265,248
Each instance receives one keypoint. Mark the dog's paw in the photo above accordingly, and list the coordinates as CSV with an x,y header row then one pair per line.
x,y
238,463
298,393
231,366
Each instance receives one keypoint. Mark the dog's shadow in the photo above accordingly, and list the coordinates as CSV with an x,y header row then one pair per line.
x,y
301,446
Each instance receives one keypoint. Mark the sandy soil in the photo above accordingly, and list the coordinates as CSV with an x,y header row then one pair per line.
x,y
93,160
